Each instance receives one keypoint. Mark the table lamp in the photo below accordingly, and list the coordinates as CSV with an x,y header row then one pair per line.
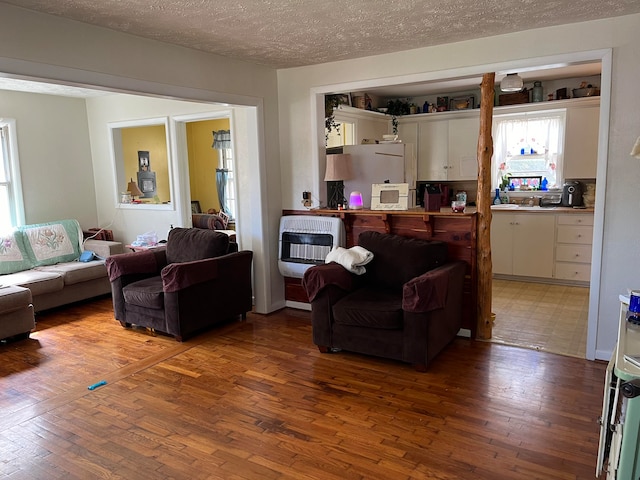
x,y
133,189
338,169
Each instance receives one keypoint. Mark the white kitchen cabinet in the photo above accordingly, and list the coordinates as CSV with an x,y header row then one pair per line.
x,y
522,244
447,147
463,148
433,146
581,140
574,236
502,243
408,134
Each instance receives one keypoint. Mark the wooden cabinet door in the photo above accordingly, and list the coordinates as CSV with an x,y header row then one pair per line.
x,y
533,244
463,148
502,243
581,142
432,150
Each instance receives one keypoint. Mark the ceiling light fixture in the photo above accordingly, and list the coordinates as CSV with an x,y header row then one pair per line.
x,y
511,83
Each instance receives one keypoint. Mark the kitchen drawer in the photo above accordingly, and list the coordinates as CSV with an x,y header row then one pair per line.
x,y
575,219
573,253
579,272
574,234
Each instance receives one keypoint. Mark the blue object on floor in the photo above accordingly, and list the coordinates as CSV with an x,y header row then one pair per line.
x,y
96,385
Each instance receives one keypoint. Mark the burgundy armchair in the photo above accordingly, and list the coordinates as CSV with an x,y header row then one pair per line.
x,y
197,281
407,306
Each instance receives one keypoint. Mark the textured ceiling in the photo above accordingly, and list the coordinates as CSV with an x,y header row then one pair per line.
x,y
290,33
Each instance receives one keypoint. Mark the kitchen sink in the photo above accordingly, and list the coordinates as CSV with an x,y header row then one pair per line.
x,y
505,206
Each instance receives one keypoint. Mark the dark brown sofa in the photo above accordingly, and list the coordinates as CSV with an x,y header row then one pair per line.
x,y
407,306
197,281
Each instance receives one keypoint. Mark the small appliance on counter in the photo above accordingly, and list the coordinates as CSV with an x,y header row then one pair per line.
x,y
572,194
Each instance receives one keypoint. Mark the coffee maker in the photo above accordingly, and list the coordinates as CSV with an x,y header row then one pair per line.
x,y
571,194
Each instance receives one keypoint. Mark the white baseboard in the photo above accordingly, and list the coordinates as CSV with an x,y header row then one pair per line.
x,y
298,305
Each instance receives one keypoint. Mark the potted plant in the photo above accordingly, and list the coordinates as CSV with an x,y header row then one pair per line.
x,y
396,108
331,102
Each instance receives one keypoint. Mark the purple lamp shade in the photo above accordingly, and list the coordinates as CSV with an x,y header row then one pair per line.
x,y
355,201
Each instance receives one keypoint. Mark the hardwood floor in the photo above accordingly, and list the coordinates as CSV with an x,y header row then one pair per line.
x,y
256,400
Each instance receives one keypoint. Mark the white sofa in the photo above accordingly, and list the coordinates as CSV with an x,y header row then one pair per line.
x,y
44,259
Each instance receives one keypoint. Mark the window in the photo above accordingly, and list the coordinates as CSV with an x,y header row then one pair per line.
x,y
226,163
11,203
225,172
140,150
529,145
343,135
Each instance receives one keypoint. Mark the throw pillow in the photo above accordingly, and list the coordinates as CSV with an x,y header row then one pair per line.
x,y
13,255
53,242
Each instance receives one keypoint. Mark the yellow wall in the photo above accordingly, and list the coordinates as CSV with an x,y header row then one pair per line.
x,y
203,161
154,140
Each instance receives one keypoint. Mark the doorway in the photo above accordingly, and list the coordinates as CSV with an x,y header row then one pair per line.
x,y
437,79
204,162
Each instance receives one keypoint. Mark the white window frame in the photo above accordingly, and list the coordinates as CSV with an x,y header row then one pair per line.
x,y
227,162
11,166
497,159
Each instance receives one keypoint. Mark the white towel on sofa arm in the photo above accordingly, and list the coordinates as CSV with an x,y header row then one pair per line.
x,y
353,259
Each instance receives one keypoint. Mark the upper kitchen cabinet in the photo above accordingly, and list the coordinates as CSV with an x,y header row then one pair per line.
x,y
463,148
433,150
581,139
445,147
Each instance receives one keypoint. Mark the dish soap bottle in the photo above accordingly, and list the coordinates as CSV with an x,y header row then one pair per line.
x,y
496,200
504,197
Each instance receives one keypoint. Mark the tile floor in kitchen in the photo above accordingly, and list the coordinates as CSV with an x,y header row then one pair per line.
x,y
550,318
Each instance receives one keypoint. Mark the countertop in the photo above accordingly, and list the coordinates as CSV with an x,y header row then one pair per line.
x,y
511,207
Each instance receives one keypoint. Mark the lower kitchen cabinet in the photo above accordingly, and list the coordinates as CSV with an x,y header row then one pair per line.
x,y
574,236
523,244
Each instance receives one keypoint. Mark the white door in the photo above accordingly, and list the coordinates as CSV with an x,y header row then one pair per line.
x,y
433,150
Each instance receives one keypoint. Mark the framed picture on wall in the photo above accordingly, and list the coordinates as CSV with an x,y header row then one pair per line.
x,y
143,161
195,206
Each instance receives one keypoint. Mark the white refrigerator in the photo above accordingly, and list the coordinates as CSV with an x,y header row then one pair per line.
x,y
378,163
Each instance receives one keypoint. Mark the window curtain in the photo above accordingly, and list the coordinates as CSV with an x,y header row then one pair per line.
x,y
221,183
543,133
221,139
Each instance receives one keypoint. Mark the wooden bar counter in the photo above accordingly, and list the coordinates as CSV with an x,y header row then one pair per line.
x,y
458,230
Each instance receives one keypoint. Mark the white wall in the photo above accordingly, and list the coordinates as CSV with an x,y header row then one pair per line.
x,y
301,144
53,147
130,221
38,46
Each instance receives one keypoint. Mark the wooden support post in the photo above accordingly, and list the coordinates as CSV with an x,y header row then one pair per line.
x,y
485,152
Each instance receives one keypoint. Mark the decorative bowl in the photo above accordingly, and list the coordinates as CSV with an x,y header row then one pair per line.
x,y
586,92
